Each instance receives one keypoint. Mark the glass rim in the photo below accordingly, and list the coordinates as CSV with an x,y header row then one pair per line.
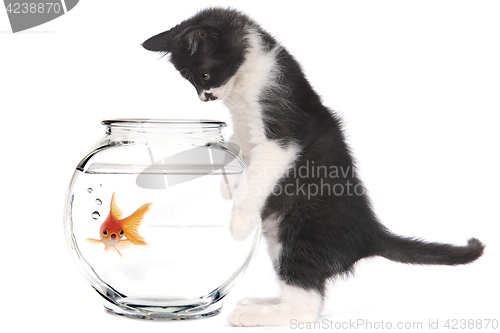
x,y
157,123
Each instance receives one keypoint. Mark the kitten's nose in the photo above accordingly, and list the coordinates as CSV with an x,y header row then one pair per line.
x,y
210,96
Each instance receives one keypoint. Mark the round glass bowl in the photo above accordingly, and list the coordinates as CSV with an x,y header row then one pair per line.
x,y
147,218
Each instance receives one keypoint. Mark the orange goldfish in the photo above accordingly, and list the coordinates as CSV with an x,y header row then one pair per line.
x,y
115,227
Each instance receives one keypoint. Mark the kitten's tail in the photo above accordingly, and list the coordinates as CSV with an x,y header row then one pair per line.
x,y
415,251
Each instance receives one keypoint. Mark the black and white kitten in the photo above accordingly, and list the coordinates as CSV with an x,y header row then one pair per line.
x,y
301,180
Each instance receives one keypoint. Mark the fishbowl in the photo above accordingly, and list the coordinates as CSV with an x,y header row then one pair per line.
x,y
147,218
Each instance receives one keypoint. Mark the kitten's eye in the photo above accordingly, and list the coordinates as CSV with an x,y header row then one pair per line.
x,y
206,76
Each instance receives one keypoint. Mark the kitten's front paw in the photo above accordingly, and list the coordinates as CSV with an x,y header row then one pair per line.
x,y
243,222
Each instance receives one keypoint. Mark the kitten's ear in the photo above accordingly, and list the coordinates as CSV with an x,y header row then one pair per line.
x,y
162,42
197,36
192,38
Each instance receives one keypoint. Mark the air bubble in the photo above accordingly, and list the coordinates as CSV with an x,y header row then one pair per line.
x,y
98,201
95,215
89,190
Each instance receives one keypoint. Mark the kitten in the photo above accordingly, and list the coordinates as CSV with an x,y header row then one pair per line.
x,y
302,185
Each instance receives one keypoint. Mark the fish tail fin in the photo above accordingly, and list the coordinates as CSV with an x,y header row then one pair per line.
x,y
131,224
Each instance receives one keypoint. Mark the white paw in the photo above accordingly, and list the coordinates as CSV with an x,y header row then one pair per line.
x,y
252,315
261,301
295,303
267,315
243,221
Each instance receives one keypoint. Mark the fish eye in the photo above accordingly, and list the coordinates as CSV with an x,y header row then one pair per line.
x,y
105,233
205,76
121,232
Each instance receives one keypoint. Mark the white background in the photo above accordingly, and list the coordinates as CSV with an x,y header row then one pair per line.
x,y
417,84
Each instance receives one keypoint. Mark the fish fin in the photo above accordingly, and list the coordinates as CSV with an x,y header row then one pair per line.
x,y
93,241
114,247
124,244
131,224
115,210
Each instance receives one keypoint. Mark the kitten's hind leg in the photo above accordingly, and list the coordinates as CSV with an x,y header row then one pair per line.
x,y
296,304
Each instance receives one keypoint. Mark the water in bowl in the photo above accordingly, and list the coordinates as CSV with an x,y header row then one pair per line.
x,y
190,261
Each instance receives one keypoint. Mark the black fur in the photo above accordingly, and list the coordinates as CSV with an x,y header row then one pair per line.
x,y
325,234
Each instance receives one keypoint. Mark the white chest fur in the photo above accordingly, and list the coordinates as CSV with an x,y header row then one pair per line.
x,y
252,79
266,160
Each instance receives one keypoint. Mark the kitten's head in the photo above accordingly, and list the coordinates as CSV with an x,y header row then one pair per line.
x,y
206,49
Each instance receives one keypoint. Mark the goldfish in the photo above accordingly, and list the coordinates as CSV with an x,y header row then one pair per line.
x,y
115,228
